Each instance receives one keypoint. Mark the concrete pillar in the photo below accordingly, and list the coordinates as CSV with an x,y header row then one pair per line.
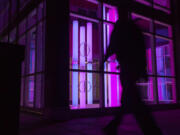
x,y
57,57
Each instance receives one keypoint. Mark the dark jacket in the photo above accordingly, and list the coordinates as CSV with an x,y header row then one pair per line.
x,y
127,42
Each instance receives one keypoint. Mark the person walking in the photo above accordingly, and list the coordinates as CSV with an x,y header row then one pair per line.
x,y
127,43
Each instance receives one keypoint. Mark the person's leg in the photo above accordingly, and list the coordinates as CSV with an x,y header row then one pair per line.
x,y
111,128
144,116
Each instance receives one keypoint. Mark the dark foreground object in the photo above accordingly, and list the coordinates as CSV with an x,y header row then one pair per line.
x,y
11,57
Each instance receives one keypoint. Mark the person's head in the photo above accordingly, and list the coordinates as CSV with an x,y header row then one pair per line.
x,y
123,9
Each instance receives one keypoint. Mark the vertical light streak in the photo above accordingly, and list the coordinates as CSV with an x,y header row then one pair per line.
x,y
109,67
89,66
159,68
149,60
172,69
113,86
82,65
105,75
75,64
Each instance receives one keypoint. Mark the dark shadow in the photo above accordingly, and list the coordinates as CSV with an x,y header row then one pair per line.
x,y
127,42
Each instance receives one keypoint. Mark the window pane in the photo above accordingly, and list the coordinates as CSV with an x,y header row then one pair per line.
x,y
166,89
30,91
110,13
149,44
163,3
112,90
144,23
40,47
84,44
164,57
84,90
85,7
146,89
145,2
39,91
163,29
31,51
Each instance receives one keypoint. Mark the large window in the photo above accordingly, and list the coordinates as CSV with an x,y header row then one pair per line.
x,y
91,25
162,5
29,32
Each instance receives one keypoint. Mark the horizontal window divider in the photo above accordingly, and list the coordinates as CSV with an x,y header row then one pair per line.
x,y
106,72
73,14
33,74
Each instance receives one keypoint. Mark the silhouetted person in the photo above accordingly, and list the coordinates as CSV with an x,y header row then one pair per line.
x,y
127,42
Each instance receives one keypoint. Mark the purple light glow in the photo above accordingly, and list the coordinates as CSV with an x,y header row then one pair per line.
x,y
89,66
75,64
112,86
82,65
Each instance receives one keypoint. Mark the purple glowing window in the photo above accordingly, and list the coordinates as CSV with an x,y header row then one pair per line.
x,y
84,55
166,89
31,89
145,2
163,29
112,90
84,44
84,90
143,22
146,89
32,42
149,42
164,57
163,3
88,8
110,13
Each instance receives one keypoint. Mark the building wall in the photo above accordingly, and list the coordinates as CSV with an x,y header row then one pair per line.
x,y
90,25
23,22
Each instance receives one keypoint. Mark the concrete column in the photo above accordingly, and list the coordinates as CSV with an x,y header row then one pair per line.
x,y
176,34
57,57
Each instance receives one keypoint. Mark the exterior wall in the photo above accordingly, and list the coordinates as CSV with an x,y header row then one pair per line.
x,y
176,23
91,24
26,26
45,77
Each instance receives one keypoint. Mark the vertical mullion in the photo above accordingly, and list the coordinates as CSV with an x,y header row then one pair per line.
x,y
155,80
26,90
35,76
102,105
43,52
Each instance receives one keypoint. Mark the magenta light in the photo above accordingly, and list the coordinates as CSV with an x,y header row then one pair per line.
x,y
89,66
82,65
112,15
149,60
113,87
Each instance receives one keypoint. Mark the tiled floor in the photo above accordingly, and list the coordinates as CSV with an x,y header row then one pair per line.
x,y
169,121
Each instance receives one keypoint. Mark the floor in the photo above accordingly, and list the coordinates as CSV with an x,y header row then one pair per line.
x,y
169,122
